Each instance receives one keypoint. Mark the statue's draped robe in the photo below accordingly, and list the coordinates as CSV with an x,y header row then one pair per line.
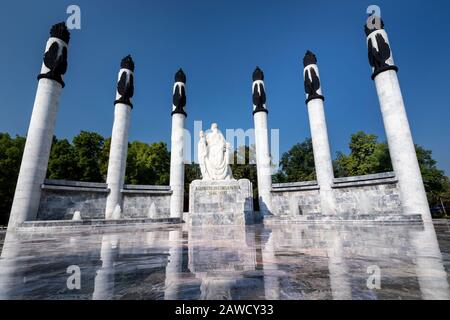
x,y
215,163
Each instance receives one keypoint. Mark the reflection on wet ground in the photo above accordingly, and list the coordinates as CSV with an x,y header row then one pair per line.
x,y
2,239
240,262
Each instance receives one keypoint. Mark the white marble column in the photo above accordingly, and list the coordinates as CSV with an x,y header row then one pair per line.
x,y
398,132
119,139
319,133
263,161
42,127
177,146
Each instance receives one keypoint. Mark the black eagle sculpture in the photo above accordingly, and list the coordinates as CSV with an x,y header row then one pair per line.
x,y
312,82
55,58
259,94
125,86
56,62
179,95
312,85
310,58
378,58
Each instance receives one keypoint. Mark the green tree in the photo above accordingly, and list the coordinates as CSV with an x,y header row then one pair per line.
x,y
63,161
191,172
445,196
244,167
11,151
435,181
104,157
88,148
367,156
297,164
148,164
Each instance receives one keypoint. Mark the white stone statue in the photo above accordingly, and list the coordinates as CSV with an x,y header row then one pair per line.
x,y
214,155
202,153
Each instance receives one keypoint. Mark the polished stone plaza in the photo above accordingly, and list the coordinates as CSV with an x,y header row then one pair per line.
x,y
228,262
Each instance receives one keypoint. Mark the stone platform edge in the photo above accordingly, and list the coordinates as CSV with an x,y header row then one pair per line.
x,y
339,183
363,219
94,224
79,186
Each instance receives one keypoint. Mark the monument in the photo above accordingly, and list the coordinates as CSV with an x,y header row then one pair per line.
x,y
313,224
218,199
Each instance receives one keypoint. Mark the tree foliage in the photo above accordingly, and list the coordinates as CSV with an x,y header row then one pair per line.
x,y
63,161
86,159
445,196
148,164
367,156
435,181
297,164
88,149
11,150
244,167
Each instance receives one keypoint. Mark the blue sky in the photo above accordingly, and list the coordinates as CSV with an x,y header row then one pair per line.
x,y
218,44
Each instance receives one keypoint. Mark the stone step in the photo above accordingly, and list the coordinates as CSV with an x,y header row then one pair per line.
x,y
68,225
346,218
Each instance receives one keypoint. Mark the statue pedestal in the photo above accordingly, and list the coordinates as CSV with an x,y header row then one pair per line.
x,y
228,202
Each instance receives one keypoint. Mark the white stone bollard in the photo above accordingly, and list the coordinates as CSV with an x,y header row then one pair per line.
x,y
152,213
177,146
263,160
119,140
319,133
398,132
42,126
76,216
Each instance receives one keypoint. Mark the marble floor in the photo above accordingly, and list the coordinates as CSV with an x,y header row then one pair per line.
x,y
240,262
